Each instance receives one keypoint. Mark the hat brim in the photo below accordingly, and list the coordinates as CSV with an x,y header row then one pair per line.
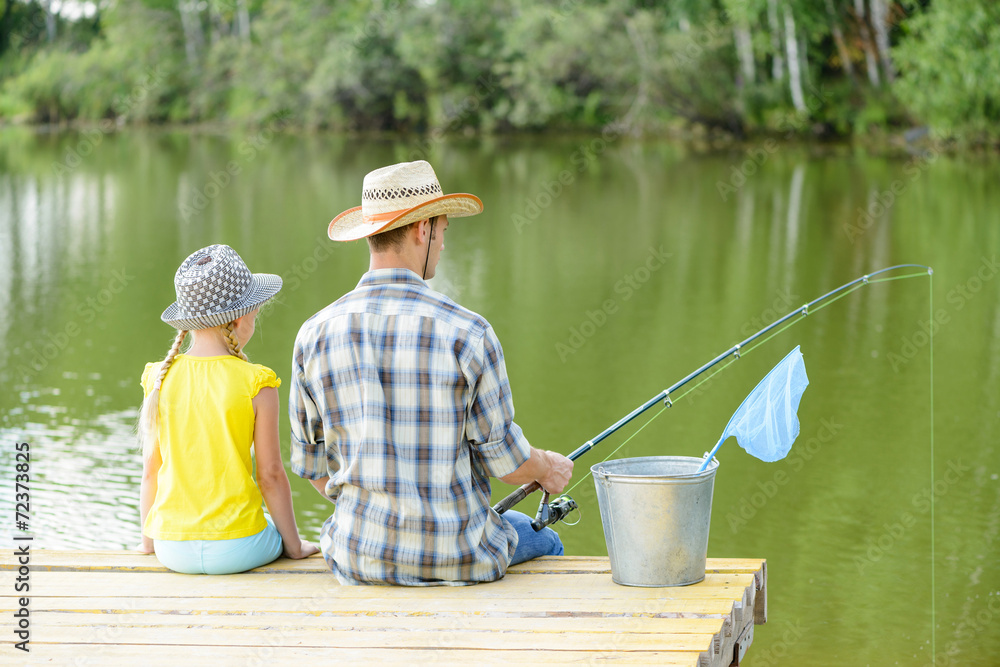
x,y
263,286
351,224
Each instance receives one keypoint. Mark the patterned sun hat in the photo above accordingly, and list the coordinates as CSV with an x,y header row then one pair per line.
x,y
397,195
214,287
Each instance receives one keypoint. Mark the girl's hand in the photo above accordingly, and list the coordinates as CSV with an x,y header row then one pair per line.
x,y
306,548
145,547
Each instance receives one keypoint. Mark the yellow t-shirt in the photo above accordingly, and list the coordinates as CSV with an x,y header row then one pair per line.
x,y
205,488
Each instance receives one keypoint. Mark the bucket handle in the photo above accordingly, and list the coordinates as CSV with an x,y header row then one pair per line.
x,y
714,459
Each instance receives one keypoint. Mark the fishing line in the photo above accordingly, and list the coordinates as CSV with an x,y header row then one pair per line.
x,y
930,300
803,314
637,432
819,308
555,511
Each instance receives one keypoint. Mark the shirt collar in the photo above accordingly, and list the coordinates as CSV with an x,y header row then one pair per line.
x,y
391,276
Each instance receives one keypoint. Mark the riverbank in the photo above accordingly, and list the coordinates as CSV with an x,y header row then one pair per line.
x,y
901,144
823,73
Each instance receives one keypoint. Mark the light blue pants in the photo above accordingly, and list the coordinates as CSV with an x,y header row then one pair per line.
x,y
530,544
221,556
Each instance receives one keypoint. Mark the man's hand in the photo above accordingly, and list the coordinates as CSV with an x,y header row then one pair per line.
x,y
559,473
551,470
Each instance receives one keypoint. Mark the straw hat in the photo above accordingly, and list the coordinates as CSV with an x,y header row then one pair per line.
x,y
397,195
214,287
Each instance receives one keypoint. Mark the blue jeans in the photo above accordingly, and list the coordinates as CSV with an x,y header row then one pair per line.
x,y
530,544
221,556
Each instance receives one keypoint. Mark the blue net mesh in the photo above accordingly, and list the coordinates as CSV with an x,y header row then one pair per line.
x,y
766,423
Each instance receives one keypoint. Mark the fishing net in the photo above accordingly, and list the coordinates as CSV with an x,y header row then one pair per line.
x,y
766,423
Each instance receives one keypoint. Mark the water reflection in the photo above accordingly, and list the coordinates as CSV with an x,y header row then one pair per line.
x,y
84,473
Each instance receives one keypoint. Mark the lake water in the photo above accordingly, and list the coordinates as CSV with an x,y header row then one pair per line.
x,y
610,269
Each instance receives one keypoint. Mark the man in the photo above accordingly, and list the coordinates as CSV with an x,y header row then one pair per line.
x,y
401,409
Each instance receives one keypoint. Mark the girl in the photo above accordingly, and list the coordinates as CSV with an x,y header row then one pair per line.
x,y
199,507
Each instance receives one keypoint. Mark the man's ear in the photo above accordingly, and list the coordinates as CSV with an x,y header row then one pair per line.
x,y
423,228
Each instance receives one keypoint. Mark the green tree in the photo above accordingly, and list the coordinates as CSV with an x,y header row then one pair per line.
x,y
949,65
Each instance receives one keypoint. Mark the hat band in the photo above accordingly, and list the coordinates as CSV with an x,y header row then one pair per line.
x,y
374,218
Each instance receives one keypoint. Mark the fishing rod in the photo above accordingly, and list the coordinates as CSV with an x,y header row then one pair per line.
x,y
549,513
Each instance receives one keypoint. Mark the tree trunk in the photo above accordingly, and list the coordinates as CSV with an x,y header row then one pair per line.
x,y
804,59
744,51
838,39
866,42
217,25
5,24
777,62
794,72
880,21
642,95
243,20
191,24
50,21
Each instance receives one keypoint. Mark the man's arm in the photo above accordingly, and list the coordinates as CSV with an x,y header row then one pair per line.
x,y
308,449
320,485
550,469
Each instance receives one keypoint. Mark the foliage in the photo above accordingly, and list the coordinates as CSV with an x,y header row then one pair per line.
x,y
560,70
950,61
130,72
495,65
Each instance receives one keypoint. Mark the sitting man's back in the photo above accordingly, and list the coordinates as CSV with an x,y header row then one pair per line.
x,y
401,408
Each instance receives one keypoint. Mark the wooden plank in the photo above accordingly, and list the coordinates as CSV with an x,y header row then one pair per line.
x,y
44,560
595,633
437,622
694,608
760,609
209,635
170,656
742,644
569,586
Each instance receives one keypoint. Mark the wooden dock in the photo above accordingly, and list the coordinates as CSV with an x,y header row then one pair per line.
x,y
105,608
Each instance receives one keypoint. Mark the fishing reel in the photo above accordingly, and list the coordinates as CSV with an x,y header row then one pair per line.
x,y
551,512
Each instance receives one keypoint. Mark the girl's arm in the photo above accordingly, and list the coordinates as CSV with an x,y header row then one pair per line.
x,y
271,475
147,493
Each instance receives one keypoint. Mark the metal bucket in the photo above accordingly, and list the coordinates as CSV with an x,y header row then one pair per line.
x,y
656,512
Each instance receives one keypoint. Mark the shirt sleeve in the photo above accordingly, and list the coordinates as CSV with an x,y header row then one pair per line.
x,y
149,376
499,443
264,377
308,449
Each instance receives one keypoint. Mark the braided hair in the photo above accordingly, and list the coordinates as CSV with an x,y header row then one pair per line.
x,y
233,341
149,416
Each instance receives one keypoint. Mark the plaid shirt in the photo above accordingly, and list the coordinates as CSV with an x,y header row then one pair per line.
x,y
401,397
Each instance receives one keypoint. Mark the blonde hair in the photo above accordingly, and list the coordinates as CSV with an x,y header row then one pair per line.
x,y
148,427
234,344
